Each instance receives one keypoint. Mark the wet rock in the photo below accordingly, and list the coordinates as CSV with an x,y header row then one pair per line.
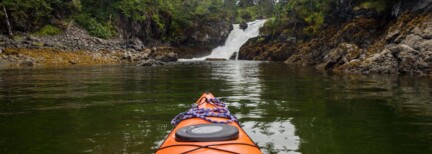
x,y
340,55
215,59
144,54
27,63
204,33
189,52
150,62
135,44
164,54
425,45
243,26
233,56
393,35
412,40
255,49
427,32
73,62
410,60
128,56
383,62
167,57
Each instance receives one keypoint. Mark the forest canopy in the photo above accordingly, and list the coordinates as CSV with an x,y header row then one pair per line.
x,y
100,17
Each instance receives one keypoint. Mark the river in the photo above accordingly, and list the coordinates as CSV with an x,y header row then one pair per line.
x,y
285,109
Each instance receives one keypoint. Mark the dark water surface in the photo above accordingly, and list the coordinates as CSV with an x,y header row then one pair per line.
x,y
127,109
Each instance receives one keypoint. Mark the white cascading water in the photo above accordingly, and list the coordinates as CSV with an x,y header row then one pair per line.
x,y
235,40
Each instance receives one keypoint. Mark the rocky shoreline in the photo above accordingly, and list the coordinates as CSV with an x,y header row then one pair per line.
x,y
76,47
364,45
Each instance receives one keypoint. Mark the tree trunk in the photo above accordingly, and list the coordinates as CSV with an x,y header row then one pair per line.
x,y
7,21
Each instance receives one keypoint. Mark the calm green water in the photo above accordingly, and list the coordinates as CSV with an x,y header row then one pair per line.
x,y
127,109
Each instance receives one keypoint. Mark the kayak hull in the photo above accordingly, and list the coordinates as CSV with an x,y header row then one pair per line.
x,y
243,144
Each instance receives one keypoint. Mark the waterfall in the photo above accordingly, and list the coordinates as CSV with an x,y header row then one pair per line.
x,y
236,38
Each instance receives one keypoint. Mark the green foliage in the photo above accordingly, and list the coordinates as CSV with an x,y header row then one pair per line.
x,y
32,15
94,27
157,20
173,18
315,21
49,30
77,4
246,14
136,10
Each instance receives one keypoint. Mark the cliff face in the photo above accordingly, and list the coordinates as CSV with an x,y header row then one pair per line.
x,y
262,48
195,40
405,47
148,31
393,41
199,39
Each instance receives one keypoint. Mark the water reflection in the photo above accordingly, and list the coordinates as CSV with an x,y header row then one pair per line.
x,y
245,88
241,78
274,137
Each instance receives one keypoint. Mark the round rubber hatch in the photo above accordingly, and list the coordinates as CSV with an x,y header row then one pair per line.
x,y
207,133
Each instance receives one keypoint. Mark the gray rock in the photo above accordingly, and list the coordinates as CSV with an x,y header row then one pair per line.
x,y
427,32
391,36
27,63
128,55
340,55
233,56
425,45
408,59
401,48
383,62
136,44
150,62
167,57
412,40
243,26
142,55
73,62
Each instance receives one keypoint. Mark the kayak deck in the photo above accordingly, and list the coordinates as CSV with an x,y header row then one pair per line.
x,y
243,144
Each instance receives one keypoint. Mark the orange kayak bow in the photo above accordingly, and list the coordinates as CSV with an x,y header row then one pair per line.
x,y
205,131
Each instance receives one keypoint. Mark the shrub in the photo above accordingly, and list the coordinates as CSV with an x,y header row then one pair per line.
x,y
94,27
49,30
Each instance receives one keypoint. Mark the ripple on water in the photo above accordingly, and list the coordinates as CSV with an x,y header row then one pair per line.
x,y
274,137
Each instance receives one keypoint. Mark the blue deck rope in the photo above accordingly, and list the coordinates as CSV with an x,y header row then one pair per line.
x,y
220,111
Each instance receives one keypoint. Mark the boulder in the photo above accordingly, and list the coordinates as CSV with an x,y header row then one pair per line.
x,y
27,63
342,54
150,62
410,60
137,44
243,26
164,54
412,40
425,45
233,56
128,56
383,62
167,57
